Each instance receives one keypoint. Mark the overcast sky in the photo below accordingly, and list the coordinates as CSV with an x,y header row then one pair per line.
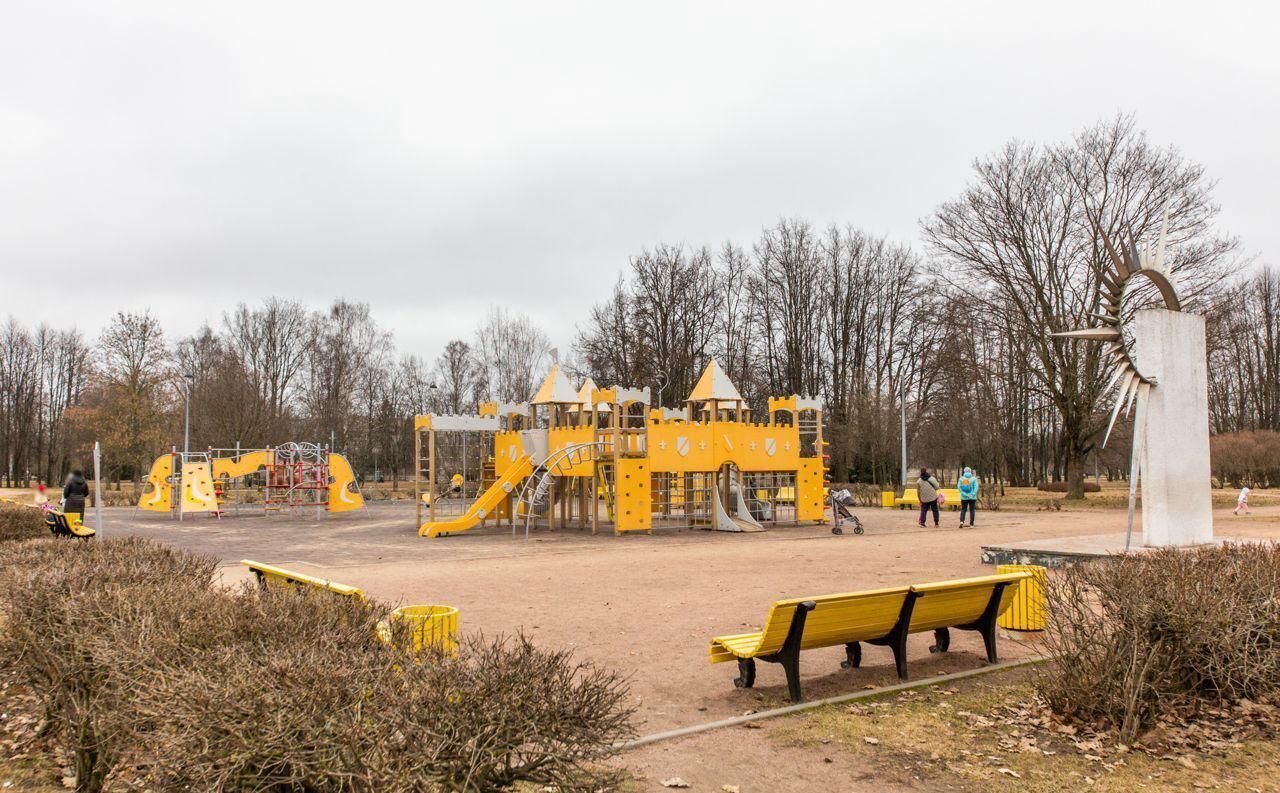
x,y
435,159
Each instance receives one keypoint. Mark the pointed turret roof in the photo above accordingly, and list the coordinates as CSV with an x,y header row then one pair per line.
x,y
556,389
714,384
584,393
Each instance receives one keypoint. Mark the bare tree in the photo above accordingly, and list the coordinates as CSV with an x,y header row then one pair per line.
x,y
134,361
272,344
512,352
789,291
1022,242
609,345
458,375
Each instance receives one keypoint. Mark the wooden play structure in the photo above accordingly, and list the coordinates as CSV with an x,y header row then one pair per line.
x,y
605,457
285,478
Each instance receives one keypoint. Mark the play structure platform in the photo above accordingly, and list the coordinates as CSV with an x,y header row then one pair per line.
x,y
605,457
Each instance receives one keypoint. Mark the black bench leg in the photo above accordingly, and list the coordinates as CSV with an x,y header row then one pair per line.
x,y
989,639
746,673
942,641
987,624
789,655
898,644
791,665
852,656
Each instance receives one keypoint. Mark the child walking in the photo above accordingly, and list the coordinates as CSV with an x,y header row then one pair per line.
x,y
1242,502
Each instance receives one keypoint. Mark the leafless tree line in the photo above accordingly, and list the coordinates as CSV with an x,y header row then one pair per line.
x,y
956,335
267,374
41,378
1244,356
962,337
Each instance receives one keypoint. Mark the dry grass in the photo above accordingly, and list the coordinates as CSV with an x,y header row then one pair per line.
x,y
1115,495
963,738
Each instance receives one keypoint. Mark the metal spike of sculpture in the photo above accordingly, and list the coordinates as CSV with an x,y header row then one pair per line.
x,y
1159,377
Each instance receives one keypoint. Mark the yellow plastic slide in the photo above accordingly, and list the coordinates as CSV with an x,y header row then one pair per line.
x,y
485,504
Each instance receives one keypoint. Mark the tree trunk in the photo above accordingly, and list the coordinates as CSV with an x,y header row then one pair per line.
x,y
1075,471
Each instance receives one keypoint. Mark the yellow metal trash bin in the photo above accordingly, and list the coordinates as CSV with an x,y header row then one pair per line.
x,y
426,626
1027,610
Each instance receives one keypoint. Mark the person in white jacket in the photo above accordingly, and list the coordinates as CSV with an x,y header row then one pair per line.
x,y
1242,502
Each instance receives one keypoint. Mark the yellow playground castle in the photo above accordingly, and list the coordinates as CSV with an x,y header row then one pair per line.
x,y
597,458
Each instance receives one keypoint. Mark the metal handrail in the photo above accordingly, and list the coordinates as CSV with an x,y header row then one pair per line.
x,y
550,467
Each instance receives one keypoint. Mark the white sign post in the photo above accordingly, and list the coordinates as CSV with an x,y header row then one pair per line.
x,y
97,485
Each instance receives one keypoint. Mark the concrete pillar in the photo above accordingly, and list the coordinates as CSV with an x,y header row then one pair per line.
x,y
1169,347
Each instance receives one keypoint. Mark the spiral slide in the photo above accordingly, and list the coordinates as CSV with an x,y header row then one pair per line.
x,y
485,504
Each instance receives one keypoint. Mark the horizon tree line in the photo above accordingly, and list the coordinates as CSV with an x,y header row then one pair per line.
x,y
956,334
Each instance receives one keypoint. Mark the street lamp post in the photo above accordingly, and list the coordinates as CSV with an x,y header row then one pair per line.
x,y
186,426
904,349
903,400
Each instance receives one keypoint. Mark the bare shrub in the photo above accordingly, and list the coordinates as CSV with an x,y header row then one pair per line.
x,y
304,697
153,678
119,498
68,607
989,497
277,696
21,523
1141,635
1247,458
864,495
1061,487
506,711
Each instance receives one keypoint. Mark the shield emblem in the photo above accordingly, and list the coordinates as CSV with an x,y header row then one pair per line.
x,y
770,446
512,453
682,445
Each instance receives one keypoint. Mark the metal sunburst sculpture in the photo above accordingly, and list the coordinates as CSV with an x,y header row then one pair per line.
x,y
1135,387
1133,261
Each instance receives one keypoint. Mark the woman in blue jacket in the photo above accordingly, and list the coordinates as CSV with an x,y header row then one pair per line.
x,y
968,487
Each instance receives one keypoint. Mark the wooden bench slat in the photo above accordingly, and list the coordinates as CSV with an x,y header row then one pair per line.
x,y
838,619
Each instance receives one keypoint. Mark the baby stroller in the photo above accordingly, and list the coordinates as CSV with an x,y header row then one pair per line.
x,y
842,510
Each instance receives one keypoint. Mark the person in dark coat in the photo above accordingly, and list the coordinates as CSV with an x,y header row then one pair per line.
x,y
74,494
927,488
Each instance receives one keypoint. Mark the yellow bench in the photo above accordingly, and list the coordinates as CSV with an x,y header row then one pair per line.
x,y
910,499
883,617
783,495
269,574
62,526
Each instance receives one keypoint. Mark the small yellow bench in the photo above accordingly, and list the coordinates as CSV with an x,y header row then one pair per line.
x,y
62,526
910,499
272,575
883,617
